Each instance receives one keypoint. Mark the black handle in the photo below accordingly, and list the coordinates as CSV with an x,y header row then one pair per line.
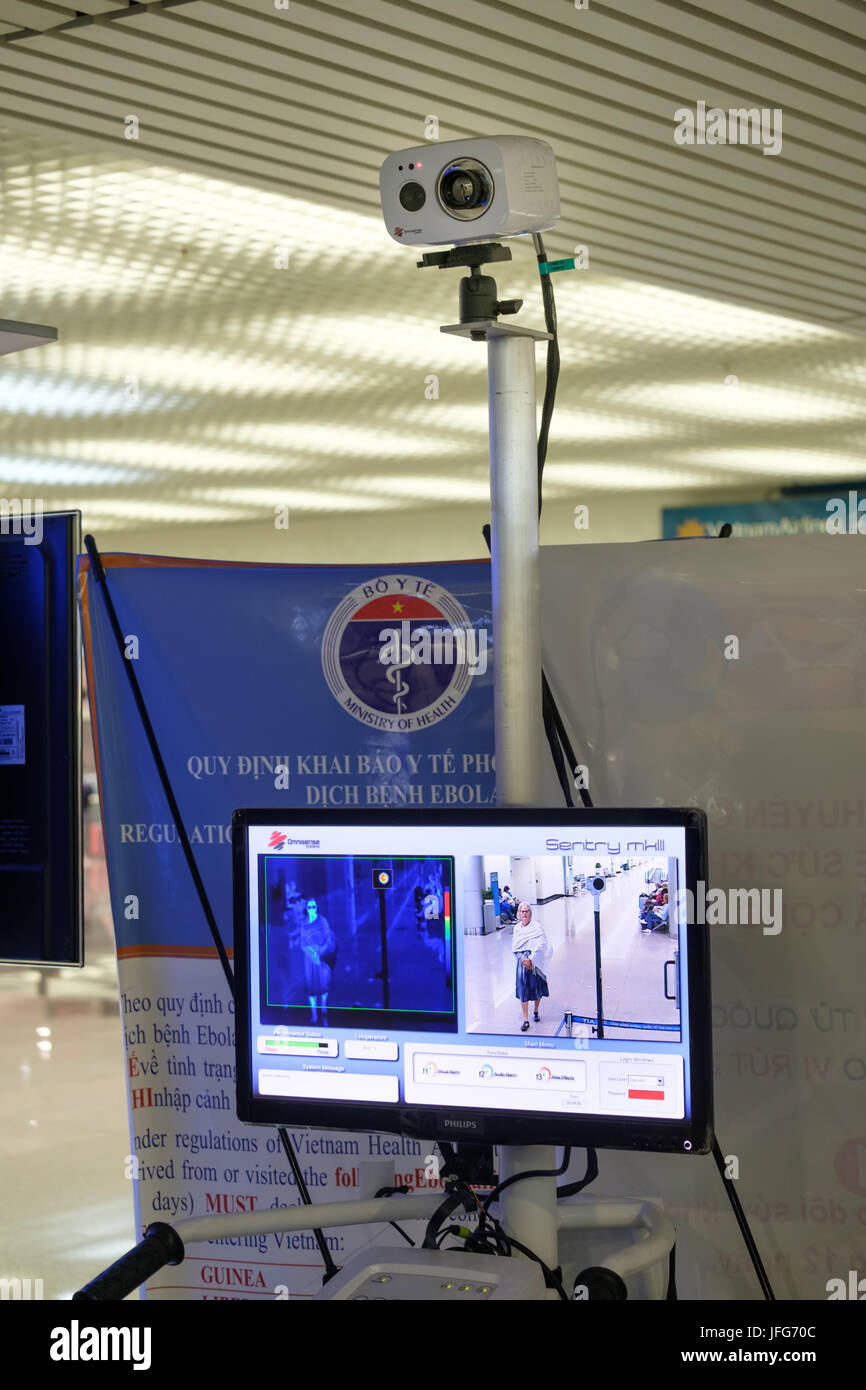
x,y
161,1246
667,963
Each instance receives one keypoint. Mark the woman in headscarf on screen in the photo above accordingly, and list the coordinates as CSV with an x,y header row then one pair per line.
x,y
319,946
532,952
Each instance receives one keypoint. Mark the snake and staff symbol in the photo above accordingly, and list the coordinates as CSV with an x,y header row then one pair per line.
x,y
393,674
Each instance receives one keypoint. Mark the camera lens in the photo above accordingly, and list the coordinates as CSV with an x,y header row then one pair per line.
x,y
412,197
465,189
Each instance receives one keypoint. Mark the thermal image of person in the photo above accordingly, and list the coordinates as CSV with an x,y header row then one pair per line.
x,y
419,908
532,952
296,906
431,905
319,946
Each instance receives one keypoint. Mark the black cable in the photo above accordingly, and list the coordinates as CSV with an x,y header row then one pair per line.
x,y
571,1189
554,727
560,745
331,1268
743,1224
455,1197
479,1242
494,1192
552,1277
552,365
390,1192
548,719
557,738
101,579
671,1295
562,735
484,1241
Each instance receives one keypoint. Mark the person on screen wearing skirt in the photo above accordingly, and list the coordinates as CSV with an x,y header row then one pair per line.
x,y
319,946
532,951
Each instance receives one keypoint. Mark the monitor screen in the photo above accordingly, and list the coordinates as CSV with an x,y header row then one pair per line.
x,y
521,976
41,912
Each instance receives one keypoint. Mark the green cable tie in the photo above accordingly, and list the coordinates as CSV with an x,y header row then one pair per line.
x,y
548,267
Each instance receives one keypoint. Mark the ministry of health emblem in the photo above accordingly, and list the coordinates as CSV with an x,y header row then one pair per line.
x,y
399,695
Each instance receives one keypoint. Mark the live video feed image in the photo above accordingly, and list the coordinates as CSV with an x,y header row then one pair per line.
x,y
355,941
530,949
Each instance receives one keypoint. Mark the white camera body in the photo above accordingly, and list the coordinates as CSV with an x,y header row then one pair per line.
x,y
462,191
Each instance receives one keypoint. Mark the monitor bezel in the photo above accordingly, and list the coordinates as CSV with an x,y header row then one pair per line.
x,y
63,868
693,1134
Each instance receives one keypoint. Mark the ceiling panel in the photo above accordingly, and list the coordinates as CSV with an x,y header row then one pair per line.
x,y
196,378
718,338
308,101
49,14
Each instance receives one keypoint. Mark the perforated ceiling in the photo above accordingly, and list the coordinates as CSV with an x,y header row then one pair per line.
x,y
200,377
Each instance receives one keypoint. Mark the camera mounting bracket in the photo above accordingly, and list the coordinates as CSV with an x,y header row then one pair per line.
x,y
478,301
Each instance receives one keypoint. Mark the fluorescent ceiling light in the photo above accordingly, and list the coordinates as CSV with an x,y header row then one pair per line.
x,y
777,463
194,371
740,400
65,472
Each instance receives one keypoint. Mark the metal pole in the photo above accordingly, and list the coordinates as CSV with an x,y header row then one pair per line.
x,y
599,1005
516,586
528,1207
383,941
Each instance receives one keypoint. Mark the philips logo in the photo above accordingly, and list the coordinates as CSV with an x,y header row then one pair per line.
x,y
461,1124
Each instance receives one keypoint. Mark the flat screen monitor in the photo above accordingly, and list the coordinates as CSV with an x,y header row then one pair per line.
x,y
491,975
41,913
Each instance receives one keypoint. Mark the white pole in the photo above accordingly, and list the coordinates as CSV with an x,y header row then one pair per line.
x,y
528,1207
516,587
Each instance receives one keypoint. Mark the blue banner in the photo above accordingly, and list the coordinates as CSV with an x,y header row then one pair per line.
x,y
803,514
267,686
